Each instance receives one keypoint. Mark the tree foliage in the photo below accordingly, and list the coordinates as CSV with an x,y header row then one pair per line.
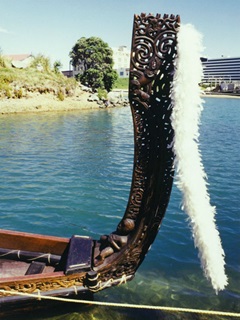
x,y
94,58
57,65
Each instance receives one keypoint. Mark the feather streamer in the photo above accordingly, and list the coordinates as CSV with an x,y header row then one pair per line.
x,y
191,177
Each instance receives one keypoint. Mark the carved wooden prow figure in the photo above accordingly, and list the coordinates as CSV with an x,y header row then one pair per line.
x,y
32,265
151,74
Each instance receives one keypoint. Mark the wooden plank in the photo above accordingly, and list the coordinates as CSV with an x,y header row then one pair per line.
x,y
32,242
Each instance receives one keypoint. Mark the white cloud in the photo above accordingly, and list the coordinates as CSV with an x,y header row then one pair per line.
x,y
2,30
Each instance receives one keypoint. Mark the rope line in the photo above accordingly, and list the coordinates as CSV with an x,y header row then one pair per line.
x,y
18,252
103,285
47,255
124,305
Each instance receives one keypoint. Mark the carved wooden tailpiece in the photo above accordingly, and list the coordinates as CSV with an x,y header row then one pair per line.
x,y
151,74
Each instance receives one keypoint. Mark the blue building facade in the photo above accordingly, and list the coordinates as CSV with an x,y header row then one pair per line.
x,y
221,70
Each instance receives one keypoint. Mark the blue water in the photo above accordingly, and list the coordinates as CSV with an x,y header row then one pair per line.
x,y
70,173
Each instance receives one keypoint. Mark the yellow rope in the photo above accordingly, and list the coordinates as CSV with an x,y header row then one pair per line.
x,y
125,305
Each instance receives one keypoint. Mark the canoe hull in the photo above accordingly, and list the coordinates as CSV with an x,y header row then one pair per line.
x,y
16,289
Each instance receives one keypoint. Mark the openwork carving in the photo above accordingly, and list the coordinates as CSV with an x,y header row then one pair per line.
x,y
44,285
151,75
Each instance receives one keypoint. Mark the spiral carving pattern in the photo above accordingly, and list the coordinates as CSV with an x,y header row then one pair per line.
x,y
151,75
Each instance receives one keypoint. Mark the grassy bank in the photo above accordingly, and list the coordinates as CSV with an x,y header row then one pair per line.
x,y
20,83
121,83
35,89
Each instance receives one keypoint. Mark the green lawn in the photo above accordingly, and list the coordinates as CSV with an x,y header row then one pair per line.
x,y
121,83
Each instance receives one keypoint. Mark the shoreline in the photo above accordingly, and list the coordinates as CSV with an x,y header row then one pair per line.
x,y
46,103
49,103
221,95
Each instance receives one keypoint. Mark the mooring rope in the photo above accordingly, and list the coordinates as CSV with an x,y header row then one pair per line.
x,y
103,285
38,296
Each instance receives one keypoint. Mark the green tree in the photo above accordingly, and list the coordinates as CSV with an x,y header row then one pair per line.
x,y
94,58
57,65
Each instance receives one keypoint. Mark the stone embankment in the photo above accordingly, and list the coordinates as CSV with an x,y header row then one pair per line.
x,y
83,100
115,98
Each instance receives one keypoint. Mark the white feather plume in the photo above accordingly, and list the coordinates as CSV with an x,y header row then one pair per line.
x,y
191,177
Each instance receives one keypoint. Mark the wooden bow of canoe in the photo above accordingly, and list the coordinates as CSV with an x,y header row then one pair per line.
x,y
57,266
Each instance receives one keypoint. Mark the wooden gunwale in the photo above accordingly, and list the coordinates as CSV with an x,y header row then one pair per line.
x,y
15,240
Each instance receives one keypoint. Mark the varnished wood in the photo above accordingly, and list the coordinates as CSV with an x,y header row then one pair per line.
x,y
32,242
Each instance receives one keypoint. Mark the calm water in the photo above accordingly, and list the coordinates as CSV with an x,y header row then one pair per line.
x,y
70,173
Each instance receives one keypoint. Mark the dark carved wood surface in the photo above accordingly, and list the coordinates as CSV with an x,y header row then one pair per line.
x,y
151,74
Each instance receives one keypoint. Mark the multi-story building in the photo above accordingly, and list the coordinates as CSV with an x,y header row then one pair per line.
x,y
221,70
121,58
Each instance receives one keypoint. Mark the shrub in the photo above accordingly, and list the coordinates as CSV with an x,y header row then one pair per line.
x,y
6,76
18,93
40,61
57,65
68,91
2,62
60,95
8,93
102,94
5,90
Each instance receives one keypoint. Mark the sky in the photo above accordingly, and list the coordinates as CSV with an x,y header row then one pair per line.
x,y
52,27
